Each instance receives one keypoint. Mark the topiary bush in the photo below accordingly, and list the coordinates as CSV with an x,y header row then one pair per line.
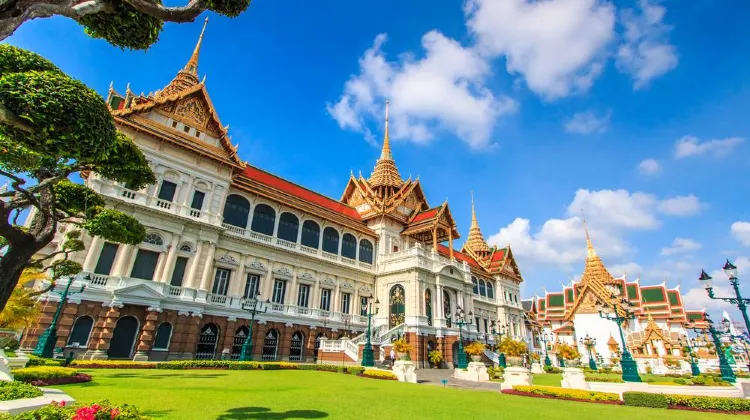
x,y
379,374
17,390
40,361
43,372
644,399
708,403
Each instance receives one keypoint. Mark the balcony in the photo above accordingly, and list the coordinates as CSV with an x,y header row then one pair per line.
x,y
417,257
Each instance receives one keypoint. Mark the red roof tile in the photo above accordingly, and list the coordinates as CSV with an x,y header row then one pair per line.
x,y
445,251
300,192
499,255
427,214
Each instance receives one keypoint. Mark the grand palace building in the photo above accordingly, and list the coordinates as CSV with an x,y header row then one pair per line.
x,y
224,236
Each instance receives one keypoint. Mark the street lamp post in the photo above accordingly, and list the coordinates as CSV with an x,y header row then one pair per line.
x,y
741,303
461,321
368,360
547,361
247,347
500,332
45,347
620,312
589,343
726,370
694,370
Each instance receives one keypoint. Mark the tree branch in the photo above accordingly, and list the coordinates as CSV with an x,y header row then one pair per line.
x,y
180,14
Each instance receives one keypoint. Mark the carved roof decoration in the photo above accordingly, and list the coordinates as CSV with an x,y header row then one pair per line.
x,y
432,226
385,179
475,241
651,333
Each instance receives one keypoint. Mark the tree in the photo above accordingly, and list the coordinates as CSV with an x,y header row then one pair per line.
x,y
511,347
22,309
133,24
567,352
55,127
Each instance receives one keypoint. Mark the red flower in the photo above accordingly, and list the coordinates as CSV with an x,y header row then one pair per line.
x,y
113,414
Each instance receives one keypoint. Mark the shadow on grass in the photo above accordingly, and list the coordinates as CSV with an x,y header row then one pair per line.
x,y
266,413
157,413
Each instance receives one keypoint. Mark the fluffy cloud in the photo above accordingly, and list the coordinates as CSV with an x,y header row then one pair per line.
x,y
741,232
680,246
442,91
588,122
696,296
645,52
689,146
649,167
686,205
557,46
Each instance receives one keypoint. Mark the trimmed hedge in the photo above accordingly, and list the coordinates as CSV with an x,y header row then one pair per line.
x,y
35,360
644,399
379,374
43,373
112,364
602,378
17,390
565,393
76,379
696,402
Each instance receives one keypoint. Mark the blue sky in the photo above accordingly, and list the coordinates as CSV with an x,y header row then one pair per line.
x,y
634,112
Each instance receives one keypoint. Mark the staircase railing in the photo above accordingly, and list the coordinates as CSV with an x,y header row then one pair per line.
x,y
492,356
386,337
351,349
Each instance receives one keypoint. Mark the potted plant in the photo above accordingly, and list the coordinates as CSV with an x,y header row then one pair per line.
x,y
402,349
475,350
568,353
513,350
435,358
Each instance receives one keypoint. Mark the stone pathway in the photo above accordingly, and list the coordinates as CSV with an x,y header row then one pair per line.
x,y
436,376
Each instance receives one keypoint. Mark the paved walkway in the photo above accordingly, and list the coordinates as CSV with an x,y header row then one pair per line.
x,y
436,376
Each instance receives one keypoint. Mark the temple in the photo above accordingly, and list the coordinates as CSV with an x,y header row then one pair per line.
x,y
224,236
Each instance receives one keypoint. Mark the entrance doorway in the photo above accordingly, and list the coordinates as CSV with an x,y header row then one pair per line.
x,y
123,338
206,349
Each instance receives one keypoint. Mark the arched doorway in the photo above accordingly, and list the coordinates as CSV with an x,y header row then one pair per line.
x,y
207,339
270,345
123,338
455,354
396,306
239,339
318,339
295,349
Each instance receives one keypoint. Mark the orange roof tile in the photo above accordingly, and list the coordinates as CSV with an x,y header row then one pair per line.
x,y
424,215
445,251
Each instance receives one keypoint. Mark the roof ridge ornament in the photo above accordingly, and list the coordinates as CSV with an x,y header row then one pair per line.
x,y
385,178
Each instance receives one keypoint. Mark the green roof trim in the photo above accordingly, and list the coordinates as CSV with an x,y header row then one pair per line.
x,y
569,295
653,295
695,316
632,291
673,298
556,300
544,305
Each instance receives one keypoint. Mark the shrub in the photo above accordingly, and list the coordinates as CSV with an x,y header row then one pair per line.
x,y
708,403
78,378
435,357
112,364
602,378
355,370
327,368
16,390
567,352
101,410
552,369
474,349
40,361
680,381
43,373
565,393
379,374
401,346
605,370
511,347
494,372
644,399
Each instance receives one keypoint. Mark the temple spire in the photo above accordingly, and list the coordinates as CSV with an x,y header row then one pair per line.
x,y
590,251
475,241
385,177
192,64
187,77
386,152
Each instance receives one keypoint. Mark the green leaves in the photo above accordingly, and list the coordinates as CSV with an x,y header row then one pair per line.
x,y
123,27
125,163
230,8
116,226
66,267
16,60
76,198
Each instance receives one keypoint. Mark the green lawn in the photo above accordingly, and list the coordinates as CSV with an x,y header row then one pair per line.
x,y
228,395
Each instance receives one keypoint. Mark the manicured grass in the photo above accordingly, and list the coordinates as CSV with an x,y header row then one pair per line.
x,y
288,394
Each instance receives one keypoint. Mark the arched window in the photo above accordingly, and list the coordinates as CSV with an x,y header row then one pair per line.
x,y
428,305
186,248
236,211
447,309
482,288
154,239
288,227
240,336
207,339
310,234
270,345
349,246
490,290
79,336
264,217
330,240
163,336
295,349
396,306
365,251
474,283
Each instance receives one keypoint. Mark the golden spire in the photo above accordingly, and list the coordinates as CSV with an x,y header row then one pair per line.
x,y
590,252
385,177
188,76
475,241
192,64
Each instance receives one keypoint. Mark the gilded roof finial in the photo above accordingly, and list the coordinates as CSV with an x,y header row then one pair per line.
x,y
192,64
386,152
475,241
591,253
473,211
385,178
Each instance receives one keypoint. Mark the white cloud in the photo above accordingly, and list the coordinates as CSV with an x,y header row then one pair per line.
x,y
645,52
616,208
697,298
689,146
631,270
680,246
649,167
741,232
557,46
444,90
588,122
686,205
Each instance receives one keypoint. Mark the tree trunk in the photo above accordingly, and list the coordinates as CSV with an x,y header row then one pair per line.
x,y
12,264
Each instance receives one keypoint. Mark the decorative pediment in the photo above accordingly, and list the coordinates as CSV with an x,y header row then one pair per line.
x,y
347,285
138,293
306,276
257,265
284,271
227,259
364,289
329,281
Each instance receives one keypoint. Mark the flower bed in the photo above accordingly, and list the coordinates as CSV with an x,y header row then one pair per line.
x,y
379,374
42,373
75,379
687,402
112,364
101,410
565,394
17,390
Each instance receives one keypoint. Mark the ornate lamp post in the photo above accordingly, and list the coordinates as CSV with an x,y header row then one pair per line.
x,y
368,359
461,321
500,332
589,343
247,347
620,312
726,370
738,300
694,370
545,339
45,347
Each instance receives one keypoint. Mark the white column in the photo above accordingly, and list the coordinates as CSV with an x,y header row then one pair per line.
x,y
122,259
166,272
208,268
336,304
315,295
299,231
267,289
238,279
439,300
95,249
354,303
187,188
193,270
291,296
276,223
153,189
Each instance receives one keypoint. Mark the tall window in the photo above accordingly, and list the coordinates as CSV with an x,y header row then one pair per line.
x,y
363,305
345,302
349,246
428,305
330,240
106,258
236,211
486,330
365,251
179,271
288,227
396,306
144,265
477,321
167,190
198,198
325,299
475,285
279,291
447,309
482,288
221,281
303,296
311,234
163,335
79,336
264,217
252,282
490,290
